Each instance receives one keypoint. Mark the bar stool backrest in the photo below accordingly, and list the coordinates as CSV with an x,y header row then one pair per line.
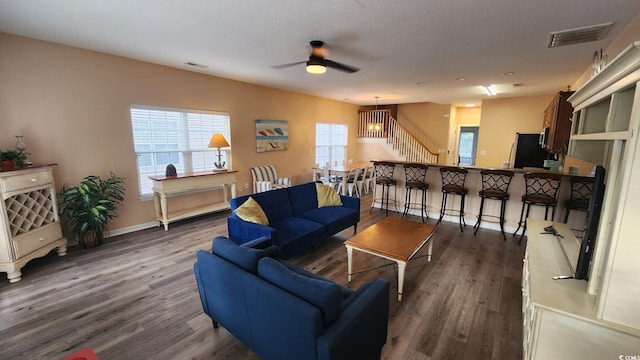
x,y
496,180
453,177
384,170
542,184
415,173
581,187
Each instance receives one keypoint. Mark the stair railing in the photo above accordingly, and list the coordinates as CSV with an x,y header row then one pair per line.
x,y
380,124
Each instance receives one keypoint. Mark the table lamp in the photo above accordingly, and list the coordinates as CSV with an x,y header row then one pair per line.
x,y
218,141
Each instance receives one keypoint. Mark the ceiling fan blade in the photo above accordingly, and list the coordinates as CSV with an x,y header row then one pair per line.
x,y
341,67
282,66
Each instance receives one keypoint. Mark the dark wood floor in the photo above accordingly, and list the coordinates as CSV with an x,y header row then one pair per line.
x,y
135,297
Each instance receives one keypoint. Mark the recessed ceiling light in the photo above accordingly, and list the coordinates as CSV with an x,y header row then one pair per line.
x,y
196,65
508,73
469,105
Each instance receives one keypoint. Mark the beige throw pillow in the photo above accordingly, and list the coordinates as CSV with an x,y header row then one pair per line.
x,y
251,211
327,196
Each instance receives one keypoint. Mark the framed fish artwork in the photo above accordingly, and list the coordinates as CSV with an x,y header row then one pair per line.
x,y
272,135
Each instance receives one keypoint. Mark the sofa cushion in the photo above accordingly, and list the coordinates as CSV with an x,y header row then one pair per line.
x,y
327,196
324,295
251,211
275,203
245,257
297,235
344,291
335,219
303,197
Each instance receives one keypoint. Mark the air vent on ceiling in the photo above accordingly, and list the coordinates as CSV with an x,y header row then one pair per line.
x,y
578,35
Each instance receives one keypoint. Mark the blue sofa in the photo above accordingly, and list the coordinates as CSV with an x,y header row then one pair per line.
x,y
282,312
296,224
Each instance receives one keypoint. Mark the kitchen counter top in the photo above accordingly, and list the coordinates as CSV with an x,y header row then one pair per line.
x,y
584,168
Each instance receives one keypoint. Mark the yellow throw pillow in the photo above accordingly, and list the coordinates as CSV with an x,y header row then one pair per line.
x,y
252,212
327,196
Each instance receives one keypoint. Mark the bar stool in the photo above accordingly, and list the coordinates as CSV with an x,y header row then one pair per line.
x,y
580,195
542,190
495,186
415,175
384,177
453,183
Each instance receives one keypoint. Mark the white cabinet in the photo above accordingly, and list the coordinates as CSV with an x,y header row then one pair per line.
x,y
559,316
605,131
29,223
598,318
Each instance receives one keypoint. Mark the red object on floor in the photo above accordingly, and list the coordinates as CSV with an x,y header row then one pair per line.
x,y
84,354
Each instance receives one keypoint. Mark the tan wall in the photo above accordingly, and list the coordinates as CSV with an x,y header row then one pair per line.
x,y
468,116
501,119
427,120
72,106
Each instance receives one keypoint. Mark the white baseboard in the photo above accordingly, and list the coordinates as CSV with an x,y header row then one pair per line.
x,y
130,229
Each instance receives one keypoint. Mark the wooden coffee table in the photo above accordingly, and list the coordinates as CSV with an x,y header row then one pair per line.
x,y
393,239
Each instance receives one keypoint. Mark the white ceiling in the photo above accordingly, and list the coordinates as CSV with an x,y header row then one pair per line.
x,y
396,44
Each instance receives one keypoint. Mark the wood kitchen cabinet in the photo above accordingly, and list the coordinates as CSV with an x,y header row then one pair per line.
x,y
557,121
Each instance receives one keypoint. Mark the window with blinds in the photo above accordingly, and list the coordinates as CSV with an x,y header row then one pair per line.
x,y
331,143
163,136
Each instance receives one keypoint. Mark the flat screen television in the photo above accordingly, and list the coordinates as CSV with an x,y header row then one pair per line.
x,y
591,224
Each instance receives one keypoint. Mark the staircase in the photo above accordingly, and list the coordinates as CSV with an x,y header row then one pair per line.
x,y
380,124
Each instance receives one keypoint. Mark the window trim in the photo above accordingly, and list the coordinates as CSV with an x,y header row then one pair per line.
x,y
346,140
182,152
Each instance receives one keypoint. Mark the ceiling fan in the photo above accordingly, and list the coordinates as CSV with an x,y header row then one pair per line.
x,y
317,64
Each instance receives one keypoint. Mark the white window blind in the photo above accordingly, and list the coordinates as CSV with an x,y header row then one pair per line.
x,y
163,136
331,143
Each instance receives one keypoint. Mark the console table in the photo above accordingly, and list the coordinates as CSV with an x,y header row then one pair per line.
x,y
189,182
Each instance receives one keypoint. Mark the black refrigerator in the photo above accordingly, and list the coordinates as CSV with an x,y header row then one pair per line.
x,y
527,152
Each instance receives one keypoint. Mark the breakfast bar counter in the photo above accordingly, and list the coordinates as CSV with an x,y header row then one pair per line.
x,y
491,208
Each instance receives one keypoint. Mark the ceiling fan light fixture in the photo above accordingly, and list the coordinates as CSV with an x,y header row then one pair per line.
x,y
316,69
316,65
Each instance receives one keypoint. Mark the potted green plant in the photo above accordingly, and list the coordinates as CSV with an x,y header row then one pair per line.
x,y
13,158
89,206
